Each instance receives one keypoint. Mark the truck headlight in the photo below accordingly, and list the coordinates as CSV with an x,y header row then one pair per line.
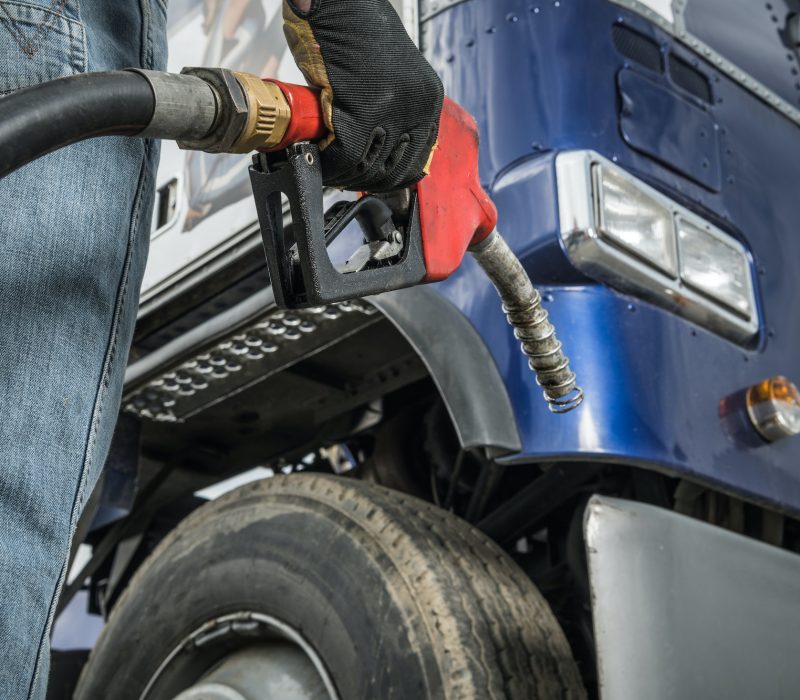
x,y
622,232
637,222
715,266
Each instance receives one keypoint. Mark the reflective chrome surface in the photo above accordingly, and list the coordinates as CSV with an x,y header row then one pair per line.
x,y
590,248
279,670
243,656
683,610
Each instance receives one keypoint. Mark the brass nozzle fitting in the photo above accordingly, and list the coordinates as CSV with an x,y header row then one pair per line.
x,y
268,115
248,113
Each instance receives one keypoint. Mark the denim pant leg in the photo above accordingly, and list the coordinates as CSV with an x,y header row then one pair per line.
x,y
74,231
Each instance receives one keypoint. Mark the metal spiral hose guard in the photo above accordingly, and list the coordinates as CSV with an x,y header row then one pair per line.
x,y
522,304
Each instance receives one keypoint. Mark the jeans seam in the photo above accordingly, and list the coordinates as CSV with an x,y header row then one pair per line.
x,y
97,412
30,46
147,43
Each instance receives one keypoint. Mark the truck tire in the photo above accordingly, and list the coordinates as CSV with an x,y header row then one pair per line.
x,y
381,595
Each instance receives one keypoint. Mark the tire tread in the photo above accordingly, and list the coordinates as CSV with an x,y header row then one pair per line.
x,y
493,635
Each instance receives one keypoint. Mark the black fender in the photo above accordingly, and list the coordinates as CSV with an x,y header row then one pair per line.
x,y
459,364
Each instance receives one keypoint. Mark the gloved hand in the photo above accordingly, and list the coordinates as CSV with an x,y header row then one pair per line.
x,y
381,99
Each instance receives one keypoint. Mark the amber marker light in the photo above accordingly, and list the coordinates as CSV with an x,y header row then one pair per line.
x,y
774,408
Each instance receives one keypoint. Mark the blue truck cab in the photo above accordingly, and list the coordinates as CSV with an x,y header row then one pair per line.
x,y
696,107
644,157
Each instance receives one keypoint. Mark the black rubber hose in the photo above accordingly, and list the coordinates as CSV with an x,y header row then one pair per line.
x,y
40,119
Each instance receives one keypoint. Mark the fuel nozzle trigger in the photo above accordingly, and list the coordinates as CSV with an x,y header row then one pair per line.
x,y
300,268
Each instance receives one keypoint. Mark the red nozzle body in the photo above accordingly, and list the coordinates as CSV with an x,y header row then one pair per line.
x,y
454,210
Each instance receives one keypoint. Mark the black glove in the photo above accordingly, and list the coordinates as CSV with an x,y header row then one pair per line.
x,y
381,99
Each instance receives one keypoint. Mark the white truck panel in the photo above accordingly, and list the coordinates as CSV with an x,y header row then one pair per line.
x,y
210,207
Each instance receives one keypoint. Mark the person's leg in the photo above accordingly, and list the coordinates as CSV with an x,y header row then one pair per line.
x,y
74,231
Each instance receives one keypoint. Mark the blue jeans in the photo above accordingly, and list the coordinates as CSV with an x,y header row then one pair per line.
x,y
74,230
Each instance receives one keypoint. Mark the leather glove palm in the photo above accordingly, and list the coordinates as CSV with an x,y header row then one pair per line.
x,y
381,99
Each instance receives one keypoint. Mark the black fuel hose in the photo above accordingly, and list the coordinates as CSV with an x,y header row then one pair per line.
x,y
150,104
40,119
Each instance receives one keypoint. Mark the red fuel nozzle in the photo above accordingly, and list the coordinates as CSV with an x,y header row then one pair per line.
x,y
454,210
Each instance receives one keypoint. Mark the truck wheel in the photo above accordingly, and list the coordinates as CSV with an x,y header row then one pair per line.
x,y
311,586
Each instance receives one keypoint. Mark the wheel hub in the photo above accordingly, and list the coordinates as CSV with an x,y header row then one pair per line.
x,y
242,656
279,670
